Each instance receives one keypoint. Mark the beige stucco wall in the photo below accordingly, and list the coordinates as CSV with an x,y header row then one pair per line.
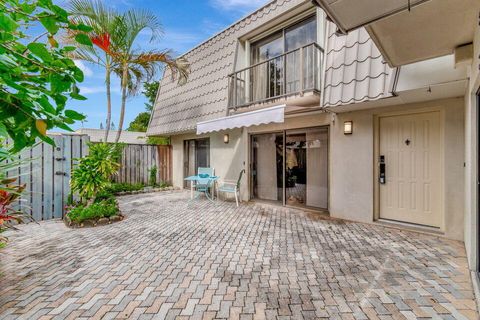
x,y
353,164
471,156
226,159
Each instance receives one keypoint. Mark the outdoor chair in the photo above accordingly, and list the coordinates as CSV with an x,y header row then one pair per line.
x,y
203,185
232,187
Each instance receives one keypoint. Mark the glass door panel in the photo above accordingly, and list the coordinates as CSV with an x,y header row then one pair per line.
x,y
317,168
268,48
202,153
196,154
297,36
301,34
267,167
294,168
306,168
267,77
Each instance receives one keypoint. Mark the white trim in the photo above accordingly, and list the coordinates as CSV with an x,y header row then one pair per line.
x,y
285,24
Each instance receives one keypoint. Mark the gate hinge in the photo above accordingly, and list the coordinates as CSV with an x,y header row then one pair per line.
x,y
60,173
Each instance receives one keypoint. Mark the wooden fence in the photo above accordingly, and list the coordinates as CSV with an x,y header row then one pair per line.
x,y
138,160
46,172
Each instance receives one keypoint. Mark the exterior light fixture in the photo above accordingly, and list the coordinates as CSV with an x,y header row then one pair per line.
x,y
348,127
226,138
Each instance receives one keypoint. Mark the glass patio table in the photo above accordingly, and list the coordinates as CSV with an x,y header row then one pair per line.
x,y
206,183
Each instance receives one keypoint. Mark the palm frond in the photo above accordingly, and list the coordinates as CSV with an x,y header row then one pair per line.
x,y
131,24
179,68
94,14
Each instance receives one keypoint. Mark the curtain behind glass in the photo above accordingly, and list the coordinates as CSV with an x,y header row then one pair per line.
x,y
265,77
296,37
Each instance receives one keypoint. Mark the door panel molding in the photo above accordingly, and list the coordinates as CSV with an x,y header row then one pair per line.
x,y
441,168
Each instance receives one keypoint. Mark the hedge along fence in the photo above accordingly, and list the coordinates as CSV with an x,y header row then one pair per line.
x,y
138,160
46,171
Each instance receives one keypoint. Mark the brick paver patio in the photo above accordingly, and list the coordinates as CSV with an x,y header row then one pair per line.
x,y
168,260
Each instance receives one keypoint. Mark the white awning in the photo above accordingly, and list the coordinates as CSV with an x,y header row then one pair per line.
x,y
247,119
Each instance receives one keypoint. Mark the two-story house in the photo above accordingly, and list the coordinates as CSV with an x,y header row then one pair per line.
x,y
411,33
321,120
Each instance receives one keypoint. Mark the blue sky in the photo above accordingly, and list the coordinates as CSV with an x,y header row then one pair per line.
x,y
186,23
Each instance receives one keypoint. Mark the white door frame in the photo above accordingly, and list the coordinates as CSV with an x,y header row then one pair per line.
x,y
376,147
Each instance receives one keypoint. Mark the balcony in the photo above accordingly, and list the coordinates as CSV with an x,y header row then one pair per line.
x,y
291,74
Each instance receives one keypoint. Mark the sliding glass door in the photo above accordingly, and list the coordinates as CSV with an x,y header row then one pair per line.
x,y
196,154
273,73
306,168
291,167
267,166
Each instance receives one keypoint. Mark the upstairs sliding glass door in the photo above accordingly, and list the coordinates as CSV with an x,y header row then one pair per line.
x,y
274,73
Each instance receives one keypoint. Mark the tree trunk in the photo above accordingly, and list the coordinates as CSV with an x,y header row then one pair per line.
x,y
124,101
109,99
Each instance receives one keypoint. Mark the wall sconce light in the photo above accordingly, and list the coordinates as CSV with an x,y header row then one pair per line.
x,y
348,127
226,138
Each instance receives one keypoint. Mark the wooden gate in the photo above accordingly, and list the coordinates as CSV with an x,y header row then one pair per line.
x,y
46,171
165,167
138,160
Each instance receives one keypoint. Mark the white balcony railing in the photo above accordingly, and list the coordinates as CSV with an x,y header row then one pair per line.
x,y
291,73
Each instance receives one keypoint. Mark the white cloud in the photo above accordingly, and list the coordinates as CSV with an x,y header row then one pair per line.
x,y
87,72
238,4
177,40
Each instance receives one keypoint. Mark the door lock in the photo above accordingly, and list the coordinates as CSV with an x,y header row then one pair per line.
x,y
382,177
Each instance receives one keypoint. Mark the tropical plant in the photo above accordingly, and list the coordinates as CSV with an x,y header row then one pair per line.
x,y
163,141
102,20
122,187
93,173
8,213
36,75
140,123
136,66
102,209
150,90
10,194
153,176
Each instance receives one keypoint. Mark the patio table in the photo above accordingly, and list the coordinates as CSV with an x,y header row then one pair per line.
x,y
211,182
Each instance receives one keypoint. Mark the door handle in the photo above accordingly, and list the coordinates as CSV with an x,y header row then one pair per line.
x,y
382,176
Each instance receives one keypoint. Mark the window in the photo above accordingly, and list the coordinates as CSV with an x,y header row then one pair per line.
x,y
277,66
288,39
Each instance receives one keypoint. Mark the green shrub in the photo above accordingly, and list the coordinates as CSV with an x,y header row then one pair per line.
x,y
3,240
164,184
93,173
101,209
104,195
153,176
122,187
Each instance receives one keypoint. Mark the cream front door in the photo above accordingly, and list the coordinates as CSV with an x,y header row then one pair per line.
x,y
412,192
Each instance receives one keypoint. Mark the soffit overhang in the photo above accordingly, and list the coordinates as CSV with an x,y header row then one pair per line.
x,y
431,28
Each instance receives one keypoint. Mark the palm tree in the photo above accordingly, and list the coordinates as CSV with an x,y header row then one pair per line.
x,y
103,22
135,66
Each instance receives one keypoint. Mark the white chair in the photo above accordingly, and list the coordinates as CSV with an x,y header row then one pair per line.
x,y
232,187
